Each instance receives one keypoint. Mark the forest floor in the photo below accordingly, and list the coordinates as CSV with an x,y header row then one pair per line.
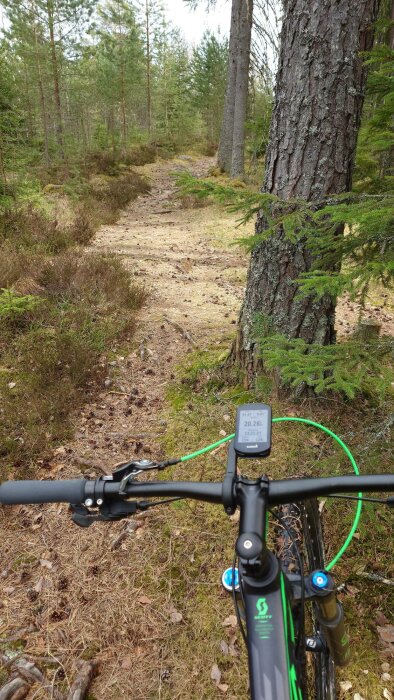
x,y
143,598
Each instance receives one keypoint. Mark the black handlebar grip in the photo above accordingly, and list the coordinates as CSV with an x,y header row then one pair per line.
x,y
18,492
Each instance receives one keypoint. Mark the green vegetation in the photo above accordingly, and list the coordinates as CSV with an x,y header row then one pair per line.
x,y
351,368
60,308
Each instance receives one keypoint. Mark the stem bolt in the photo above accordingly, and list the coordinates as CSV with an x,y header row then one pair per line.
x,y
89,502
248,544
100,501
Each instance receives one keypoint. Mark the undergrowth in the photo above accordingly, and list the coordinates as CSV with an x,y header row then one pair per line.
x,y
202,403
60,307
50,349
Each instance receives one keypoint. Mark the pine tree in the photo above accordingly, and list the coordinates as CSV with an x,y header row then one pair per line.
x,y
208,75
119,57
310,156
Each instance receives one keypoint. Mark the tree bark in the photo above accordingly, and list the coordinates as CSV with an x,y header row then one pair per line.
x,y
319,97
44,115
2,166
148,69
241,88
55,73
226,135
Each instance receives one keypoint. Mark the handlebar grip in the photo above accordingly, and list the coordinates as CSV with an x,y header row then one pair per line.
x,y
20,492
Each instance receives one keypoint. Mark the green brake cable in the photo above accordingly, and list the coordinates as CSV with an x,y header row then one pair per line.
x,y
340,443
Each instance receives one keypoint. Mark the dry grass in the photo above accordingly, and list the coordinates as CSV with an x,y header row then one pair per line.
x,y
142,155
109,162
99,280
191,201
51,353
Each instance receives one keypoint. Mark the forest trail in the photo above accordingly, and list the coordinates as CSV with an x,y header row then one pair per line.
x,y
195,279
182,254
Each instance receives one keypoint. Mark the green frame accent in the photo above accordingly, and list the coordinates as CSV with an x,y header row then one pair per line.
x,y
290,637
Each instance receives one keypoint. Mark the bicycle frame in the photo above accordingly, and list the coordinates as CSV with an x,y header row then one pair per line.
x,y
270,642
265,592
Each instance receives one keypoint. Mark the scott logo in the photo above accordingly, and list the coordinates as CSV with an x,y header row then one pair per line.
x,y
262,610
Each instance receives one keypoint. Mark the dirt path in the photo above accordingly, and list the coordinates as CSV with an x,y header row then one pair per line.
x,y
195,280
182,254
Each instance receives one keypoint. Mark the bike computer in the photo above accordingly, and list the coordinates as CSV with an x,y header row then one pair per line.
x,y
253,430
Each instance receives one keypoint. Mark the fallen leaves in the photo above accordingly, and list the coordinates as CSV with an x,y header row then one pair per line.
x,y
176,617
386,635
230,621
46,563
216,676
144,600
345,686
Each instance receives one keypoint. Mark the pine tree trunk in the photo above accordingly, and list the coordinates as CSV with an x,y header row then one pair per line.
x,y
55,73
241,88
29,110
123,103
148,71
319,97
2,166
44,115
226,135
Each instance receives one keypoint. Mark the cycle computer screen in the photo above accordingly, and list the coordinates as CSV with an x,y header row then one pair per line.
x,y
253,430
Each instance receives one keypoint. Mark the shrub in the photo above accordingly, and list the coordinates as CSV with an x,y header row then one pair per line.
x,y
30,228
142,155
105,162
99,279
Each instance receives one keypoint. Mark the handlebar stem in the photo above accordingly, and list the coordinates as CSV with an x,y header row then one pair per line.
x,y
252,497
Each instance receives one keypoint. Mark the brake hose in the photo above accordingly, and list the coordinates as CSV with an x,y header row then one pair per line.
x,y
340,443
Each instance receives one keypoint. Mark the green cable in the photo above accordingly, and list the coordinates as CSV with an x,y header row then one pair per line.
x,y
207,449
340,443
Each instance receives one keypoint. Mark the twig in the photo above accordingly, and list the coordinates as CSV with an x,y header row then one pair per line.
x,y
15,688
27,675
376,578
86,673
117,541
7,662
182,331
18,635
21,693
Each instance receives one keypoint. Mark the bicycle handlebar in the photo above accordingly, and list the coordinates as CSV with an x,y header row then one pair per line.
x,y
75,491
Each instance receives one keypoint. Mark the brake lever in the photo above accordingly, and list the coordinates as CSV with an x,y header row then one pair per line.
x,y
127,472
